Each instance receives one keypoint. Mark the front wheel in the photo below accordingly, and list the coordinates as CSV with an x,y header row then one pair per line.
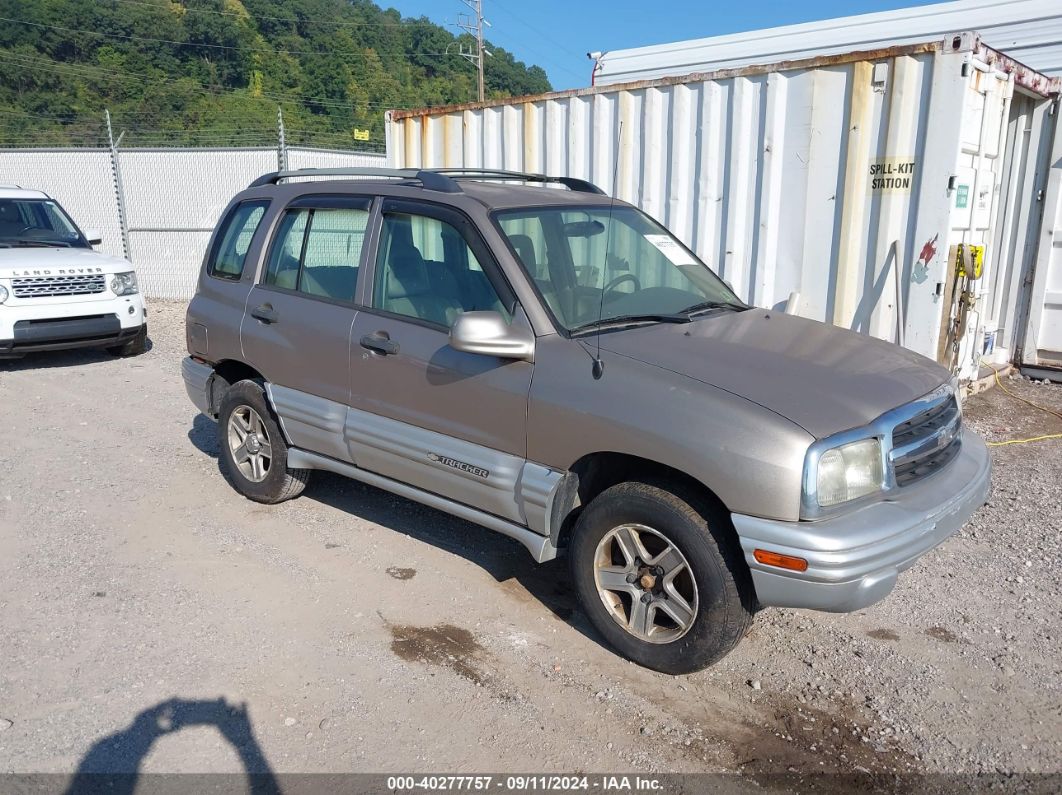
x,y
254,455
659,578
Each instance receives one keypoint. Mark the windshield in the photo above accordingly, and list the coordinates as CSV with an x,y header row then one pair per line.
x,y
589,267
37,222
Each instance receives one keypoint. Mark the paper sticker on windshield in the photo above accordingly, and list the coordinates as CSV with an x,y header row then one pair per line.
x,y
671,249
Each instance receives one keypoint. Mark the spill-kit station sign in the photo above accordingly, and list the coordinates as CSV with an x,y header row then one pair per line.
x,y
892,175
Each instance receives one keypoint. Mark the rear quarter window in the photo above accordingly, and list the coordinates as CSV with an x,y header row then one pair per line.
x,y
234,239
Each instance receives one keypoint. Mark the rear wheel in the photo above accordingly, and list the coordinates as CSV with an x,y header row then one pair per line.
x,y
254,455
659,578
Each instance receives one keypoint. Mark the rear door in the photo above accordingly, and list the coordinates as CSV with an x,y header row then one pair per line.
x,y
449,422
297,327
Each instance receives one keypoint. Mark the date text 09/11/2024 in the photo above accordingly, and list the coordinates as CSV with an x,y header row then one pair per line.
x,y
525,783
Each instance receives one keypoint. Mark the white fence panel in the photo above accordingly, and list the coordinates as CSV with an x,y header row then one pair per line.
x,y
80,180
173,198
188,188
333,158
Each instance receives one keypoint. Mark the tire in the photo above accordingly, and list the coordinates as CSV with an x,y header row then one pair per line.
x,y
134,347
706,584
270,480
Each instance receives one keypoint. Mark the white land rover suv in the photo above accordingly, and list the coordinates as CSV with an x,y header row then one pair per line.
x,y
55,291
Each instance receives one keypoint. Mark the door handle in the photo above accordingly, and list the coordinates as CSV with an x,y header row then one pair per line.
x,y
265,313
378,344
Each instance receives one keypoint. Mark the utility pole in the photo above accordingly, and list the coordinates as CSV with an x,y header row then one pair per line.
x,y
473,24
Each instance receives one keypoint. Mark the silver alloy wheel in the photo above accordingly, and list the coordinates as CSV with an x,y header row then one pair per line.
x,y
645,583
249,443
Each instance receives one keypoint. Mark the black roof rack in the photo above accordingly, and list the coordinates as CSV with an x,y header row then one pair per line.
x,y
429,179
442,179
571,183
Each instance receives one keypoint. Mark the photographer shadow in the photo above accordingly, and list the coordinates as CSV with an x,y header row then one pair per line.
x,y
112,764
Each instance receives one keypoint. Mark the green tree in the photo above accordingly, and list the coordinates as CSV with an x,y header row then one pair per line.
x,y
179,72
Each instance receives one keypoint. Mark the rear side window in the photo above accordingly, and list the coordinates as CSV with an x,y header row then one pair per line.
x,y
317,251
238,228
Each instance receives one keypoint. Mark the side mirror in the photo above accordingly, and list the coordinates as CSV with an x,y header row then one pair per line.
x,y
488,334
93,237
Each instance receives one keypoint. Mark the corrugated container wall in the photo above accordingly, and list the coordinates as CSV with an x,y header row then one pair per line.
x,y
835,185
1043,331
1030,31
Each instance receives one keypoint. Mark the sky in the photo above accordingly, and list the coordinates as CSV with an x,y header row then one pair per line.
x,y
557,34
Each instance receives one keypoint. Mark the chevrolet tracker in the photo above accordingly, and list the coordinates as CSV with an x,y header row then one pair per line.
x,y
525,353
55,291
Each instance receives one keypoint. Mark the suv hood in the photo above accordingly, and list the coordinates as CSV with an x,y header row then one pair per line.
x,y
823,378
54,261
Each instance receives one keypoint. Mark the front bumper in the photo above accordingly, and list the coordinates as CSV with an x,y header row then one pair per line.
x,y
854,559
30,326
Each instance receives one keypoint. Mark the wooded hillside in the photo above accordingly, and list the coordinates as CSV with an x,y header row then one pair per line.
x,y
213,72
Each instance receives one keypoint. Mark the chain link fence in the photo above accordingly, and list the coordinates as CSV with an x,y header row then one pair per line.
x,y
171,198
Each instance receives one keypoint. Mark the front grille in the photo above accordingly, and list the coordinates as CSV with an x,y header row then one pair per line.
x,y
51,286
925,443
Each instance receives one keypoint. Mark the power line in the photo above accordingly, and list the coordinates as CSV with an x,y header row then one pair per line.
x,y
77,69
266,50
539,31
293,20
545,36
25,113
539,52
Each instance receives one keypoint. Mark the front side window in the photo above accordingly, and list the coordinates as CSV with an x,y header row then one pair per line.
x,y
37,222
426,270
231,249
595,264
318,251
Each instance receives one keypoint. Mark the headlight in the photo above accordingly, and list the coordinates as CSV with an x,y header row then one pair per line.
x,y
3,294
847,472
124,283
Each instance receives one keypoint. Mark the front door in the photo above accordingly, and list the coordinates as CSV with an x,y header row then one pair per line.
x,y
449,422
297,328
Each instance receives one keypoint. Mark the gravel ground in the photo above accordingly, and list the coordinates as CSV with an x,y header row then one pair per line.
x,y
350,630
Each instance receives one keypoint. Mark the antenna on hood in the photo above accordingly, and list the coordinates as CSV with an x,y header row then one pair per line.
x,y
598,368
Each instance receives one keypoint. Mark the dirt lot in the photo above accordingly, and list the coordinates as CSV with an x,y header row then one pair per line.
x,y
350,630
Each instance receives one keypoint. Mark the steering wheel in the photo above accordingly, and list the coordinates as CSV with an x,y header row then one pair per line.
x,y
623,277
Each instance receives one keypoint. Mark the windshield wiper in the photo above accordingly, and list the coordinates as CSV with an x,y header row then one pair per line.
x,y
706,306
31,243
625,320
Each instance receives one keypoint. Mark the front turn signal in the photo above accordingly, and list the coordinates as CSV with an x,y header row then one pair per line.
x,y
768,558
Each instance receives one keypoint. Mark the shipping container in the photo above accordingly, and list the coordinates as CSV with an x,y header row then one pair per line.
x,y
1042,341
1029,31
837,186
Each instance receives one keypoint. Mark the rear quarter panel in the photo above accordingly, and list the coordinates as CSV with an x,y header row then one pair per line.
x,y
214,316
